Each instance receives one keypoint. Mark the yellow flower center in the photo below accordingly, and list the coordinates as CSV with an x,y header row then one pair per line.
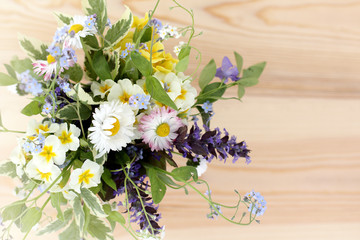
x,y
65,137
47,153
50,59
76,28
85,177
44,175
124,97
116,127
104,89
163,130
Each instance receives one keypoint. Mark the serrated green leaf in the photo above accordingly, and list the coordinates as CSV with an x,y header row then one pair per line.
x,y
10,71
13,211
69,112
79,213
254,71
101,66
182,65
33,108
91,42
158,188
21,65
75,73
183,174
157,92
6,80
119,30
92,202
8,168
241,91
211,92
57,224
97,7
107,178
207,74
239,61
248,82
30,219
63,18
34,48
56,202
72,232
98,229
141,63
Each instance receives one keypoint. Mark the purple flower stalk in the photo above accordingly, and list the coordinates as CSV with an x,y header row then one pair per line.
x,y
227,70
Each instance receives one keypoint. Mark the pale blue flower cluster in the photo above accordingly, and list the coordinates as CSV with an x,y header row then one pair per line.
x,y
34,146
29,84
140,101
129,48
207,106
257,203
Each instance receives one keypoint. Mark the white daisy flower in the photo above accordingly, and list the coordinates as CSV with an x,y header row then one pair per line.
x,y
188,94
87,176
69,137
52,152
103,88
159,128
47,67
35,127
47,173
170,82
78,29
112,126
123,90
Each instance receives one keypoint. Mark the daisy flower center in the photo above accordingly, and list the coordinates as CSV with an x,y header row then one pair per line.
x,y
116,127
85,177
50,59
163,130
76,28
65,137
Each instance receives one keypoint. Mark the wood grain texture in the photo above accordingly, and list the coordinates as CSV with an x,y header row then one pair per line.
x,y
302,121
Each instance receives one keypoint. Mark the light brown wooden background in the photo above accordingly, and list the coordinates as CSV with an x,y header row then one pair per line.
x,y
302,121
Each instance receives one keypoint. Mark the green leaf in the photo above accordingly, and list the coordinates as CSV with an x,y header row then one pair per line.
x,y
107,178
239,61
22,65
98,229
13,211
65,179
183,174
6,80
57,224
79,213
157,92
75,73
10,71
77,92
33,108
207,74
248,82
92,202
101,66
254,71
34,48
30,219
182,65
69,112
185,51
114,215
119,30
158,188
92,42
213,92
241,91
141,63
147,35
97,7
8,168
56,202
72,232
63,18
167,180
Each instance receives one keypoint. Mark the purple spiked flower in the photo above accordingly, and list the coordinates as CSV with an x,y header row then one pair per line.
x,y
227,70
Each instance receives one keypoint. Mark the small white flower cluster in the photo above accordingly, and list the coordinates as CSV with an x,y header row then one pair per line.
x,y
178,48
168,31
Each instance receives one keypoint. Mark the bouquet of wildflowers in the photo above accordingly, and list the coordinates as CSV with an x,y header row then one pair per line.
x,y
115,108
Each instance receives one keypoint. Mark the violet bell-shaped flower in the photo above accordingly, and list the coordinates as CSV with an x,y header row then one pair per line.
x,y
227,70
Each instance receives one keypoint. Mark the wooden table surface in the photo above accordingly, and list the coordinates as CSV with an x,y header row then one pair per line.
x,y
302,121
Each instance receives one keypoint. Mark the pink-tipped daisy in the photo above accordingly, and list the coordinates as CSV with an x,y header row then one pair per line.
x,y
159,128
47,67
